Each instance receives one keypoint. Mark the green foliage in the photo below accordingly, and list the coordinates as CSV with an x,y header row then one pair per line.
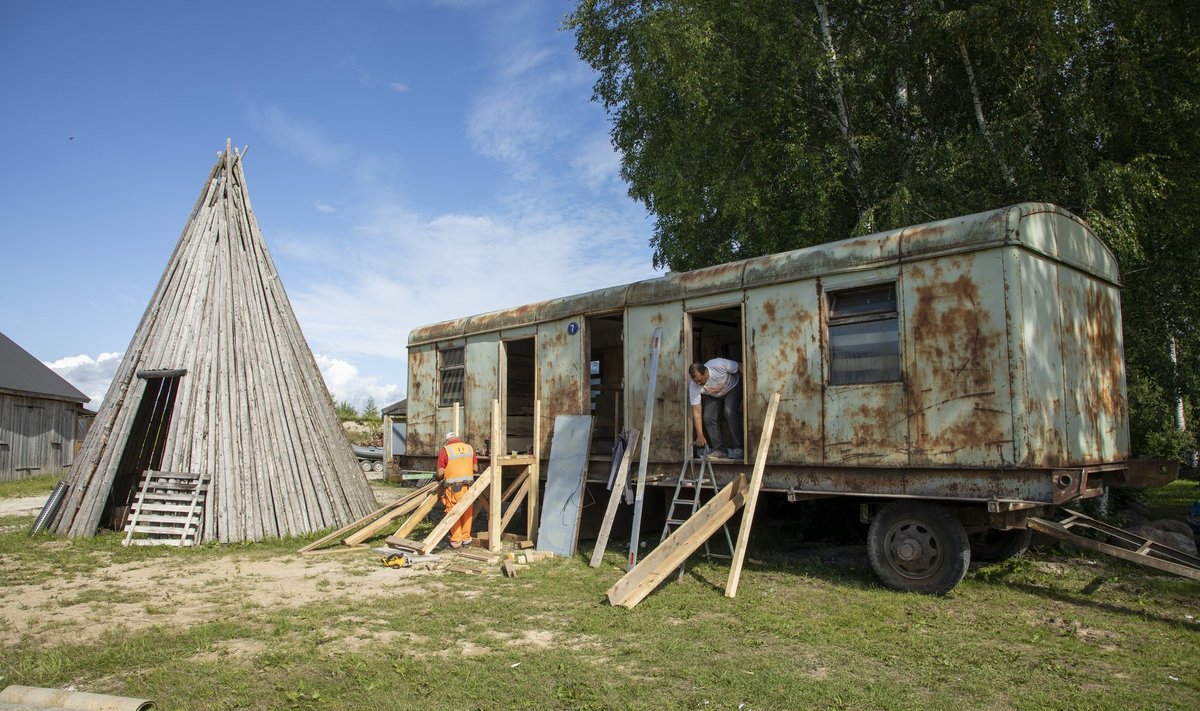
x,y
371,413
346,411
758,126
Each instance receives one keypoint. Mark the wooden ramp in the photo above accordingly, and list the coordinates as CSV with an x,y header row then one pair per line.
x,y
168,509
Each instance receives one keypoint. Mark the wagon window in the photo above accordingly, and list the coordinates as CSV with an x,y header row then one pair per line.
x,y
451,372
864,335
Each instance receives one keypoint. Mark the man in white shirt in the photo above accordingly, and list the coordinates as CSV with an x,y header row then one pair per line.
x,y
715,390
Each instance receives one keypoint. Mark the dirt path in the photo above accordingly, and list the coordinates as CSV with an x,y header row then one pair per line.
x,y
22,505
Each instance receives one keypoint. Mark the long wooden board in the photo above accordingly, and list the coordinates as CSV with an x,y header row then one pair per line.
x,y
756,477
672,552
614,498
481,484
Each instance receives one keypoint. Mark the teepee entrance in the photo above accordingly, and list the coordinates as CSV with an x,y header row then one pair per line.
x,y
218,391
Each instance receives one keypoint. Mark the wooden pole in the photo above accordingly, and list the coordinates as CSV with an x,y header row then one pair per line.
x,y
614,498
643,461
535,475
756,477
495,530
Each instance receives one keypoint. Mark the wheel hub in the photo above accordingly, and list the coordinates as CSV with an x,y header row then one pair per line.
x,y
913,550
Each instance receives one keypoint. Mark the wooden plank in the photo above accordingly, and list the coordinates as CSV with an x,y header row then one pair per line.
x,y
403,507
397,542
515,503
614,498
352,525
535,473
565,474
672,552
419,515
481,484
756,477
644,459
495,499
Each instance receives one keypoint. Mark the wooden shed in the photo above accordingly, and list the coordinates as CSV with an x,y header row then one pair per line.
x,y
41,416
219,387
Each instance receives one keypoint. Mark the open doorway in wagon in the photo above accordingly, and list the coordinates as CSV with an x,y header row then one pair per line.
x,y
717,333
606,368
519,360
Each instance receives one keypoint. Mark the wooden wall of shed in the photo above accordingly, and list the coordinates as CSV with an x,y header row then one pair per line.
x,y
37,436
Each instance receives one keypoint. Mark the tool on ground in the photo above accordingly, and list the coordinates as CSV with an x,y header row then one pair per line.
x,y
395,560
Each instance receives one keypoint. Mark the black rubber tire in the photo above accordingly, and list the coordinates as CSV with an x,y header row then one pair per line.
x,y
918,546
993,546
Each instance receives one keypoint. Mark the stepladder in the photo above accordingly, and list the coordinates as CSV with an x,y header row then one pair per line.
x,y
694,477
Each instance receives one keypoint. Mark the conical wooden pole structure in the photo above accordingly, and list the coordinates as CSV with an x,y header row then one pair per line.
x,y
246,404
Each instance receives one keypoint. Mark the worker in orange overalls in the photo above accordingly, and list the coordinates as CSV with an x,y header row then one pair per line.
x,y
456,467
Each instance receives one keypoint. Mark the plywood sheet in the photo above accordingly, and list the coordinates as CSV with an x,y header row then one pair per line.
x,y
564,484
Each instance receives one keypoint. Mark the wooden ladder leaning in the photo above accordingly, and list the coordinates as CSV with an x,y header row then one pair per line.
x,y
168,509
696,474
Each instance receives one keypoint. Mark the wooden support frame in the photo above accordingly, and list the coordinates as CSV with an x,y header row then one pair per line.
x,y
672,552
481,485
756,477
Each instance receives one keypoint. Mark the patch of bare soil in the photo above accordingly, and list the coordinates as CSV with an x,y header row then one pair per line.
x,y
177,594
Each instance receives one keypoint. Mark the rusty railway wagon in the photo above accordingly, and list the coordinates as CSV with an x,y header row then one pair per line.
x,y
958,377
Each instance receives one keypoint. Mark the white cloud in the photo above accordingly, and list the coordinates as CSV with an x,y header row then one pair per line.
x,y
398,87
90,375
346,384
301,138
325,208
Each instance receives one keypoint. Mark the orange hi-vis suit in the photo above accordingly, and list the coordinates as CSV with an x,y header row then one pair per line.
x,y
457,477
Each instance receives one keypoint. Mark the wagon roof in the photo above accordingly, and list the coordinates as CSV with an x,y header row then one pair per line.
x,y
1040,227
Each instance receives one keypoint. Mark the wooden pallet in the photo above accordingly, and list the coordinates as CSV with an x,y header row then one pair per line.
x,y
168,510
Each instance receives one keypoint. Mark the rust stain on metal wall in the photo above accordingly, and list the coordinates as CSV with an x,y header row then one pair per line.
x,y
955,415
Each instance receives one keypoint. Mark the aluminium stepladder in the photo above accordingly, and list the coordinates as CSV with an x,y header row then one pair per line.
x,y
697,473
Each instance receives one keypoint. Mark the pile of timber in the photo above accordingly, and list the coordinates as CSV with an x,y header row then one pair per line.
x,y
218,380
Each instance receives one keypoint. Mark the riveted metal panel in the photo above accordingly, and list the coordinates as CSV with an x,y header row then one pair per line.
x,y
668,437
482,385
562,383
956,361
1093,369
1040,423
865,425
783,346
422,400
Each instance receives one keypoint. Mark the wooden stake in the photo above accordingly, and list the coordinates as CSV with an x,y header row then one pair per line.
x,y
756,477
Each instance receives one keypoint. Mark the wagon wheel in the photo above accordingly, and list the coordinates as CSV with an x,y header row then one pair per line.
x,y
919,547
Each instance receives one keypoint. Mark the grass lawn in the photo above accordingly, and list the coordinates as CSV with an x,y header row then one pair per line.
x,y
258,627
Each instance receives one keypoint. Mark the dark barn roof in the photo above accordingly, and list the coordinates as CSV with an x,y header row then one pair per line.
x,y
21,373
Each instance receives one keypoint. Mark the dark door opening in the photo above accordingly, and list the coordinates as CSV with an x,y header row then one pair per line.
x,y
606,369
520,391
718,334
146,443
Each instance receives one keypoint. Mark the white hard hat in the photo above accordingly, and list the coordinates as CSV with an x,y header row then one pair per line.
x,y
451,435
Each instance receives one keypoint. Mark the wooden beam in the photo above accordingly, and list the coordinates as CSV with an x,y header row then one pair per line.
x,y
644,459
354,524
419,515
672,552
494,527
614,498
481,484
514,504
535,474
756,477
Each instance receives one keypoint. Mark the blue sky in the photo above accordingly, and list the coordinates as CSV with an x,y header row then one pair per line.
x,y
388,140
